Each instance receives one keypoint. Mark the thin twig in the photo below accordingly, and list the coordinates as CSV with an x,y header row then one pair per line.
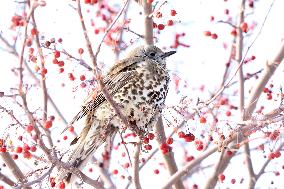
x,y
242,61
261,171
42,60
38,180
13,51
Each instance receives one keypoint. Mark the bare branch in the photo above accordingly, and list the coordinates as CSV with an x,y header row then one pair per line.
x,y
169,157
136,179
13,51
16,171
7,180
38,180
187,168
246,126
261,171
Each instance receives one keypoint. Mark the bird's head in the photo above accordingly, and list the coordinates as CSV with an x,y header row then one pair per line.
x,y
150,52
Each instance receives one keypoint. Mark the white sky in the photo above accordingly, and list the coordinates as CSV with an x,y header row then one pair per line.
x,y
203,63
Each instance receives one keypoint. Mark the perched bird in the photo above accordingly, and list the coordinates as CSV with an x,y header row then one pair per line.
x,y
139,85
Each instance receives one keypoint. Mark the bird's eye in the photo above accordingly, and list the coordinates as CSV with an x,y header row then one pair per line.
x,y
152,54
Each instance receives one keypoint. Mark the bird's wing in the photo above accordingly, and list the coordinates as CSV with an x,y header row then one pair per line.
x,y
113,84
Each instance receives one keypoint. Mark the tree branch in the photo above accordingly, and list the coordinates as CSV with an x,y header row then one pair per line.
x,y
16,171
159,127
136,179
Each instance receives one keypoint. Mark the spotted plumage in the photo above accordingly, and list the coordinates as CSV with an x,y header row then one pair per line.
x,y
139,85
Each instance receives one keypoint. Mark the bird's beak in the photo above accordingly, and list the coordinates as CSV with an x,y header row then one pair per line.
x,y
166,54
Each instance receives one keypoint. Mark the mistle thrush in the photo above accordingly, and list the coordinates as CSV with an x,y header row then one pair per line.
x,y
139,86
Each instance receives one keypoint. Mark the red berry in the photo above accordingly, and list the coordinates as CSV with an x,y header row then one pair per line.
x,y
82,78
271,155
3,149
250,3
33,31
234,32
33,148
56,54
19,150
61,70
71,76
229,153
65,137
115,172
43,71
61,185
170,23
173,12
71,129
80,51
27,155
222,177
159,15
181,134
29,128
169,140
189,158
151,136
189,137
195,186
55,61
126,165
148,147
20,138
199,145
161,26
61,63
26,147
228,113
146,140
202,120
15,156
244,27
83,85
207,33
165,150
214,36
97,31
226,11
274,135
156,171
31,50
277,154
52,118
154,25
163,146
48,124
266,90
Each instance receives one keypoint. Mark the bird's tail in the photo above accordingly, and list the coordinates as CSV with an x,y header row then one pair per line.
x,y
82,148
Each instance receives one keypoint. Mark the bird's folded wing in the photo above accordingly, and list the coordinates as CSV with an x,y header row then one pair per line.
x,y
113,85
